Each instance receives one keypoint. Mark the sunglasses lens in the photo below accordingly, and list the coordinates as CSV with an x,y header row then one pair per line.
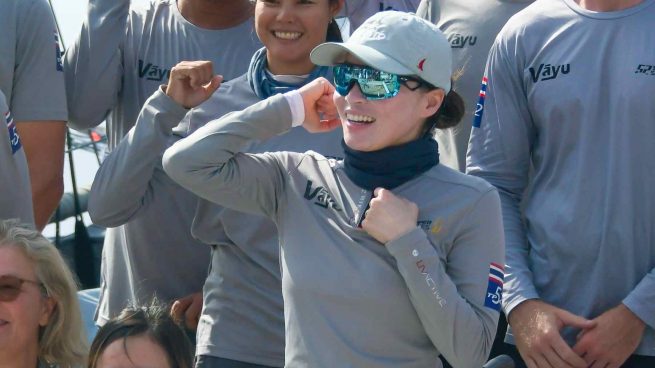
x,y
9,288
374,84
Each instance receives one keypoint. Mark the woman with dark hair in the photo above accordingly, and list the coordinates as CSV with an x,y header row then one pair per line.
x,y
141,337
388,258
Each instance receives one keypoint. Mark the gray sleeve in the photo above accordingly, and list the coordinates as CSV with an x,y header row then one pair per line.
x,y
451,297
122,186
38,92
428,10
641,301
209,162
93,64
499,152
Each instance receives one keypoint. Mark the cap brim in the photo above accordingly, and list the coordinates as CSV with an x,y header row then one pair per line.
x,y
332,53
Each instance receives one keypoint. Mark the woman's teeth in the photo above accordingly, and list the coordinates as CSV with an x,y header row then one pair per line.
x,y
360,118
288,35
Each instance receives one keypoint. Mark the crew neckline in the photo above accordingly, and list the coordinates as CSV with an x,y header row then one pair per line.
x,y
611,14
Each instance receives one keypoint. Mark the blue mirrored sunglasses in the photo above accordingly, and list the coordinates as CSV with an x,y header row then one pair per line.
x,y
373,83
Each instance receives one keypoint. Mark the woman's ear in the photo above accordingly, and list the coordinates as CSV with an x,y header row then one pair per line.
x,y
432,101
47,308
336,6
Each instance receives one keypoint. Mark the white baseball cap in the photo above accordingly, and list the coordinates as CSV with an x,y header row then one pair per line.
x,y
395,42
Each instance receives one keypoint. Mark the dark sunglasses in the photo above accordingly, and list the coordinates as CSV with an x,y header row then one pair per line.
x,y
11,286
374,84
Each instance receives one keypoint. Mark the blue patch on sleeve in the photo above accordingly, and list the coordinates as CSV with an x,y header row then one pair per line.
x,y
14,139
494,296
479,108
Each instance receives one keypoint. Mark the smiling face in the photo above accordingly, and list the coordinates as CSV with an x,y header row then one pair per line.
x,y
290,29
374,125
20,319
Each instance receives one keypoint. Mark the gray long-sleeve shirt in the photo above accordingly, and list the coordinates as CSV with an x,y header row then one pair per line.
x,y
570,93
471,27
243,316
151,252
349,300
125,52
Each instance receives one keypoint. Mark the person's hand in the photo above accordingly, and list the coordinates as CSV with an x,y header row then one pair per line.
x,y
320,112
389,217
536,326
192,83
617,333
186,311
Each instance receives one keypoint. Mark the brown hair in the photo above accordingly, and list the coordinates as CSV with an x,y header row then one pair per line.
x,y
450,112
153,321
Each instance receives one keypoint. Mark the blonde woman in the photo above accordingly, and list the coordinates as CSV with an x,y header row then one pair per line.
x,y
40,323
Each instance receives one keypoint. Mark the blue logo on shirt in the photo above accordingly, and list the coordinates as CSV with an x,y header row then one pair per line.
x,y
14,139
58,54
494,294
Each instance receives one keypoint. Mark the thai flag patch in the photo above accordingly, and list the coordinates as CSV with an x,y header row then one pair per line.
x,y
495,287
479,108
58,53
14,140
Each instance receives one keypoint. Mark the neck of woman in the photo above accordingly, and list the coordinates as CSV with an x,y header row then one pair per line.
x,y
25,357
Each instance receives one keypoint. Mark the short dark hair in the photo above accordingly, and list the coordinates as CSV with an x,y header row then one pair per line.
x,y
153,321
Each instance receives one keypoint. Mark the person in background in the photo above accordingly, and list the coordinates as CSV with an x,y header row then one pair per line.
x,y
32,82
141,337
386,234
124,52
471,27
357,11
242,322
40,323
566,135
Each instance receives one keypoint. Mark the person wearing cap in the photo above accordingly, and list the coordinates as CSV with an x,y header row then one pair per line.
x,y
566,135
388,258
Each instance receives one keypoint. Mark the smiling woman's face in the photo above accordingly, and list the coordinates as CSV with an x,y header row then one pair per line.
x,y
21,318
290,29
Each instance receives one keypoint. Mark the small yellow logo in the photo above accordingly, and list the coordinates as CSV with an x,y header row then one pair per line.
x,y
437,226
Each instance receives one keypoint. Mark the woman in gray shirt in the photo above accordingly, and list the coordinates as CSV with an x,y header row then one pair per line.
x,y
388,258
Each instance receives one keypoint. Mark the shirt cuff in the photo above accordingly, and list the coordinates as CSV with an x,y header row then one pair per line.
x,y
297,107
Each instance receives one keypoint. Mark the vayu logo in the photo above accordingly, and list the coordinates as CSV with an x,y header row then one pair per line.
x,y
321,195
547,72
645,69
458,41
152,72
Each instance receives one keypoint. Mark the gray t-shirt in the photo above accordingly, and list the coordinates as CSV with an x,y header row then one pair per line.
x,y
349,300
471,27
243,316
357,11
31,74
32,83
15,193
570,94
125,52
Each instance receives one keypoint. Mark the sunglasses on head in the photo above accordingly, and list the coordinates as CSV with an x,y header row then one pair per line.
x,y
373,83
11,286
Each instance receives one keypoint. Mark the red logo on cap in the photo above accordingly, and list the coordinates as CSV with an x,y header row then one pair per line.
x,y
420,65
